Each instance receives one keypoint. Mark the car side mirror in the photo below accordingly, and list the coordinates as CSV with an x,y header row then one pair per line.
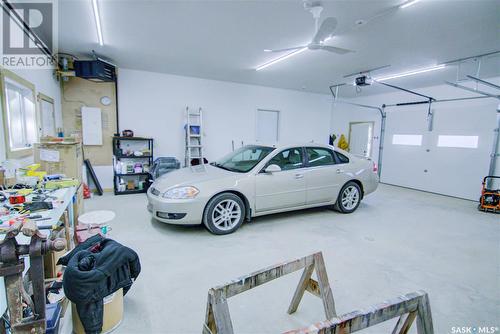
x,y
273,168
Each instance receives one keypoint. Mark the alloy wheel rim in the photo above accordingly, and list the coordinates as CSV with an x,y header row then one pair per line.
x,y
226,214
350,197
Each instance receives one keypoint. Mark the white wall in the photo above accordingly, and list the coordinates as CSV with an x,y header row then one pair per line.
x,y
46,83
153,105
472,117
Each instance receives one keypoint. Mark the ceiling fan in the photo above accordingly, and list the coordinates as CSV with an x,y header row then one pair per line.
x,y
322,34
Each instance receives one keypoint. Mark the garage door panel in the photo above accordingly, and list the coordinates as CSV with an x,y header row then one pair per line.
x,y
403,163
450,171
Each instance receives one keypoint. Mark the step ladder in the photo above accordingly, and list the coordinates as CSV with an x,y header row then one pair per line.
x,y
194,131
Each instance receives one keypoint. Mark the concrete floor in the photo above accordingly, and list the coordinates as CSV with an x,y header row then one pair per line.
x,y
398,241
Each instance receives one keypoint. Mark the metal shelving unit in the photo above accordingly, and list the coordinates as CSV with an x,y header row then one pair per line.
x,y
119,156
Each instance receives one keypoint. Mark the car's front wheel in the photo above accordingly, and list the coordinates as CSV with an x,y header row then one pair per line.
x,y
349,198
224,213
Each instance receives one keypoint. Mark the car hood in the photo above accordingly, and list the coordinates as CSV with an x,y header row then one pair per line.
x,y
190,176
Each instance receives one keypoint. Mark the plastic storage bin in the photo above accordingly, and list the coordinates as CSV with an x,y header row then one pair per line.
x,y
195,129
52,318
164,165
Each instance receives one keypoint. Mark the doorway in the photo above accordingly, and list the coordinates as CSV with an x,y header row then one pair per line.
x,y
267,126
361,138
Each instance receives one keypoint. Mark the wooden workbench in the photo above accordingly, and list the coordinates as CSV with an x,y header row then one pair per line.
x,y
63,209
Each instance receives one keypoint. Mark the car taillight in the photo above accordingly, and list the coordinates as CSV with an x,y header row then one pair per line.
x,y
375,168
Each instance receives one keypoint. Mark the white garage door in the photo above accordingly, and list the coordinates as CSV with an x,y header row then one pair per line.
x,y
450,160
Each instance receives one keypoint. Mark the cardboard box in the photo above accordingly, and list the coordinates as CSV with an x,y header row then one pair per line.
x,y
78,204
112,315
2,177
60,158
50,267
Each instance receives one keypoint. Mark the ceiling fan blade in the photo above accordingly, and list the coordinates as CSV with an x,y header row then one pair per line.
x,y
287,49
325,30
334,49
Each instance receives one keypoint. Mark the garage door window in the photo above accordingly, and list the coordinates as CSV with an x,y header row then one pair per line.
x,y
458,141
410,140
288,159
317,156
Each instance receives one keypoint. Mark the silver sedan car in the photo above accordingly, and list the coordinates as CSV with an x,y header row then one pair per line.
x,y
258,180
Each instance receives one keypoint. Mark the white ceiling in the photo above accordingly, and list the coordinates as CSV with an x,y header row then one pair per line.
x,y
224,40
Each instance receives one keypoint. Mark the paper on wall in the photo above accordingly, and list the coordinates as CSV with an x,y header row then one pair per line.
x,y
49,155
91,126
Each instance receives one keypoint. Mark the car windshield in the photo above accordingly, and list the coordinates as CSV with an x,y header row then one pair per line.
x,y
243,159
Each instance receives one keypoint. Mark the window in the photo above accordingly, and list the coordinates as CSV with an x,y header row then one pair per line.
x,y
317,156
243,159
341,159
288,159
47,116
19,111
458,141
411,140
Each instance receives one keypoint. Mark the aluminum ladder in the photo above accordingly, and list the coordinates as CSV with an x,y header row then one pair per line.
x,y
194,131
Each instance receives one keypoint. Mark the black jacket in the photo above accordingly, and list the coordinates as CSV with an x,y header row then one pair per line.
x,y
95,269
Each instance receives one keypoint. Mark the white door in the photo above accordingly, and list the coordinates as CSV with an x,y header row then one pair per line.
x,y
360,138
284,189
48,126
452,159
267,126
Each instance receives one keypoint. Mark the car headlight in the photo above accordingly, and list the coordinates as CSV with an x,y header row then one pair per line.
x,y
181,193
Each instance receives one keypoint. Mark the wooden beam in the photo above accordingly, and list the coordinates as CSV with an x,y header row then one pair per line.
x,y
407,307
209,325
358,320
299,292
313,288
404,323
217,318
265,275
324,286
424,316
220,312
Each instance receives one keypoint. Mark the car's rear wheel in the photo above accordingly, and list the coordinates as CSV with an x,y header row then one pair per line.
x,y
224,213
349,198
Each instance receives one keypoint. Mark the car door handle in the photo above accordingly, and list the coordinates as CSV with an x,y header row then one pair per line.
x,y
299,176
340,171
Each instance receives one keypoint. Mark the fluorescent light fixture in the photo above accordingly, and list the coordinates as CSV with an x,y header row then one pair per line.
x,y
277,60
410,140
405,74
458,141
409,3
97,21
